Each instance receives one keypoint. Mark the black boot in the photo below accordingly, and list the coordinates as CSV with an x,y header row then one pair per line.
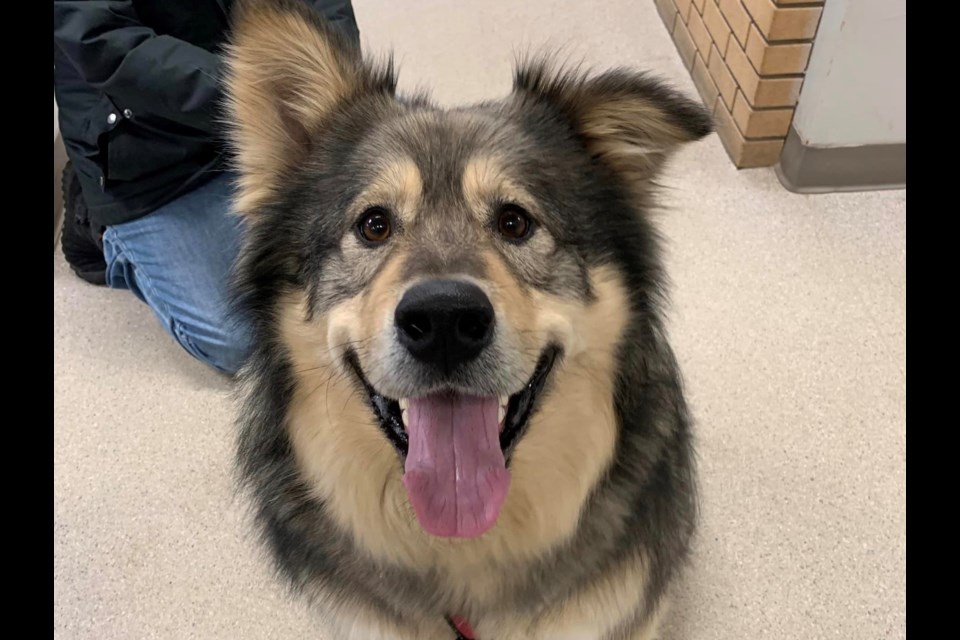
x,y
78,242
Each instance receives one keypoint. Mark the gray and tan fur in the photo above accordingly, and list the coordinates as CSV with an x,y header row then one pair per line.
x,y
602,506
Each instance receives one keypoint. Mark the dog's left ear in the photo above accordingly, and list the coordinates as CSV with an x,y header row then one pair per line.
x,y
289,71
628,120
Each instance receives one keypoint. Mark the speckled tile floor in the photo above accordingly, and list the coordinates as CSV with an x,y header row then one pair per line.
x,y
789,319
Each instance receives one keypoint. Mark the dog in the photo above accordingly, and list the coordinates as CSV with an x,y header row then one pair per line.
x,y
462,416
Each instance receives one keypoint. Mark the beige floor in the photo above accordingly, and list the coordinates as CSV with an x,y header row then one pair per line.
x,y
789,320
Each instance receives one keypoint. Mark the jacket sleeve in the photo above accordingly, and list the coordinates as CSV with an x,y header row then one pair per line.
x,y
340,14
145,71
116,54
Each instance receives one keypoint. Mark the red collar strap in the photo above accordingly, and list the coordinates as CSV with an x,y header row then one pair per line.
x,y
462,627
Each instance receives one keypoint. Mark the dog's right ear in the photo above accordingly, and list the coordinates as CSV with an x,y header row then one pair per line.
x,y
288,71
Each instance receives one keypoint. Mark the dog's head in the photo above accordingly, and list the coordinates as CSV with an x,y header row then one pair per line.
x,y
470,275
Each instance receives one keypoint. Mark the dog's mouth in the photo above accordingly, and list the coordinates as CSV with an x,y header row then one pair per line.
x,y
456,447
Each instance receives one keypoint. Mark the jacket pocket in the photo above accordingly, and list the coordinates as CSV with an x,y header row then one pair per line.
x,y
100,123
130,146
134,150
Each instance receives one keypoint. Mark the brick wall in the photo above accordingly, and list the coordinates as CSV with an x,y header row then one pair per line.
x,y
747,59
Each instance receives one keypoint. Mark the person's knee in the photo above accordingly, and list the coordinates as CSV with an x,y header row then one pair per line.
x,y
225,351
229,358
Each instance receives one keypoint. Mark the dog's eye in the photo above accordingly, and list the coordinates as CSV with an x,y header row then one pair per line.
x,y
514,223
374,225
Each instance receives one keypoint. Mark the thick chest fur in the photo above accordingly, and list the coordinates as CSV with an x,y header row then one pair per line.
x,y
607,608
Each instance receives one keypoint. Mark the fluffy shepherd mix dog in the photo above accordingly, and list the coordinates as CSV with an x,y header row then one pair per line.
x,y
462,415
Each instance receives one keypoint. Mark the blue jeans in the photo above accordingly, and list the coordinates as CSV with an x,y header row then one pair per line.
x,y
177,259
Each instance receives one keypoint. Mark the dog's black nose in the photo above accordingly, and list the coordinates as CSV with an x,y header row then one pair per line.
x,y
445,322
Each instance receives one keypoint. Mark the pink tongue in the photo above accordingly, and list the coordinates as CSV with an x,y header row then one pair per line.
x,y
455,474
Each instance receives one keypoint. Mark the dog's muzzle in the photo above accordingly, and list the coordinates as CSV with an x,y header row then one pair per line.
x,y
455,439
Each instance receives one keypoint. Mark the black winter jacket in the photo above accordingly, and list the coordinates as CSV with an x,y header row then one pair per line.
x,y
137,87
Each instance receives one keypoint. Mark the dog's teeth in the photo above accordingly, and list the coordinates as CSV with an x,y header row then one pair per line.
x,y
404,416
504,400
404,404
501,414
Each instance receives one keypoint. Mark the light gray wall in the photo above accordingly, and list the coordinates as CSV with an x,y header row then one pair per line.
x,y
855,91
